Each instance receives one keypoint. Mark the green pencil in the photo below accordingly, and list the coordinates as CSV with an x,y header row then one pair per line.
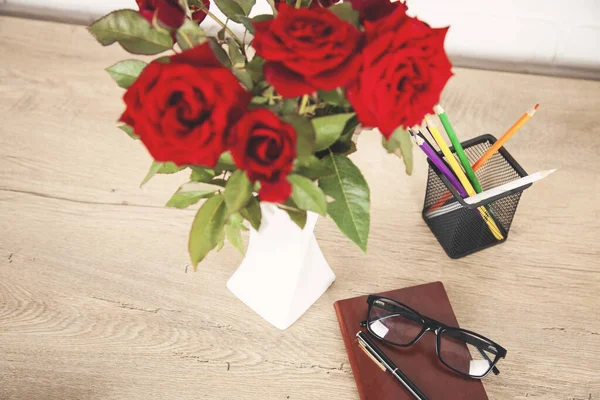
x,y
457,147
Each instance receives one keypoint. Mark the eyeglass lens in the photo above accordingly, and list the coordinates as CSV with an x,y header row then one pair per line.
x,y
466,353
391,321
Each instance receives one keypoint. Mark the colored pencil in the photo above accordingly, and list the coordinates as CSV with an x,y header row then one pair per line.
x,y
462,177
490,152
460,152
437,136
504,138
439,163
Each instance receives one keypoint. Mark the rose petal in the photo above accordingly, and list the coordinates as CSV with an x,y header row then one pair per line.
x,y
287,83
337,77
275,192
200,56
199,15
183,110
170,13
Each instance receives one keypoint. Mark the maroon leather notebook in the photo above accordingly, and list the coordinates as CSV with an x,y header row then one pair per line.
x,y
419,361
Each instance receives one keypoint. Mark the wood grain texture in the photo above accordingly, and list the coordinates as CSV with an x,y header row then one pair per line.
x,y
97,302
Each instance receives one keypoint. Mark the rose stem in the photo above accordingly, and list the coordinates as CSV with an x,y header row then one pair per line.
x,y
218,21
298,3
244,43
303,104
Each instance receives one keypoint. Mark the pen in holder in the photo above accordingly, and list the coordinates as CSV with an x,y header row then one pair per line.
x,y
461,228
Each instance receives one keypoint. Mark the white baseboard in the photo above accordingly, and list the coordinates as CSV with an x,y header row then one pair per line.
x,y
491,50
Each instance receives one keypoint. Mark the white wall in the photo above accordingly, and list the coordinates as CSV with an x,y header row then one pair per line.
x,y
544,36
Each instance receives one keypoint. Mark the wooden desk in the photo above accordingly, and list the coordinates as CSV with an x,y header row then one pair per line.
x,y
97,300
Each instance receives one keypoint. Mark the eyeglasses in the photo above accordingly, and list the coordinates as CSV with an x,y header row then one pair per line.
x,y
463,351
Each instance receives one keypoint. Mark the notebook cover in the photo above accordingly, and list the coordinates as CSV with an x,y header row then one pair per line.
x,y
419,361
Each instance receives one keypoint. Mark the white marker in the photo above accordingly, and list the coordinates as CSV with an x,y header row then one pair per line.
x,y
526,180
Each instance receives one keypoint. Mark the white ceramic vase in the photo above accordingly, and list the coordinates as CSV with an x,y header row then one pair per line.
x,y
284,271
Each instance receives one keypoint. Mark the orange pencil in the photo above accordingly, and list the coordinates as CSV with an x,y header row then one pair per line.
x,y
490,152
504,138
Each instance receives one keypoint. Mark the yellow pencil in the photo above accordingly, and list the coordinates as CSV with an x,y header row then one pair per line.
x,y
462,177
490,152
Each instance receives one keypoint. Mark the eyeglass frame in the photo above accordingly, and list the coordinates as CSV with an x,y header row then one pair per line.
x,y
430,324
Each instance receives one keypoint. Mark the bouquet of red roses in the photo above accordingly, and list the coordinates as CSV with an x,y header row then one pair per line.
x,y
272,120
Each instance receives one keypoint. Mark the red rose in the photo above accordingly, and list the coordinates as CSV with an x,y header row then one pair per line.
x,y
403,73
168,12
265,147
372,10
182,110
197,14
307,49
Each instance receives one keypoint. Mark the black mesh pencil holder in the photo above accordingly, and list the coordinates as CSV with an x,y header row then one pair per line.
x,y
460,227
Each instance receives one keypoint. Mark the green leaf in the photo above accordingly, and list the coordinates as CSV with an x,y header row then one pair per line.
x,y
298,216
201,174
350,210
345,12
244,77
273,8
207,228
329,129
235,53
170,168
231,9
334,97
246,5
255,68
307,195
126,72
129,131
151,172
401,145
220,53
349,130
234,236
305,143
313,168
190,35
238,191
221,241
218,182
163,60
184,200
262,17
161,168
247,22
289,106
225,163
199,187
351,148
345,144
259,100
236,220
132,31
253,213
221,34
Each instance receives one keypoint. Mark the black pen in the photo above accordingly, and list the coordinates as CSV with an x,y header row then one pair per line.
x,y
386,364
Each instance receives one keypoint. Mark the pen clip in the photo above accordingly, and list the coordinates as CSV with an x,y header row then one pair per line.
x,y
368,353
